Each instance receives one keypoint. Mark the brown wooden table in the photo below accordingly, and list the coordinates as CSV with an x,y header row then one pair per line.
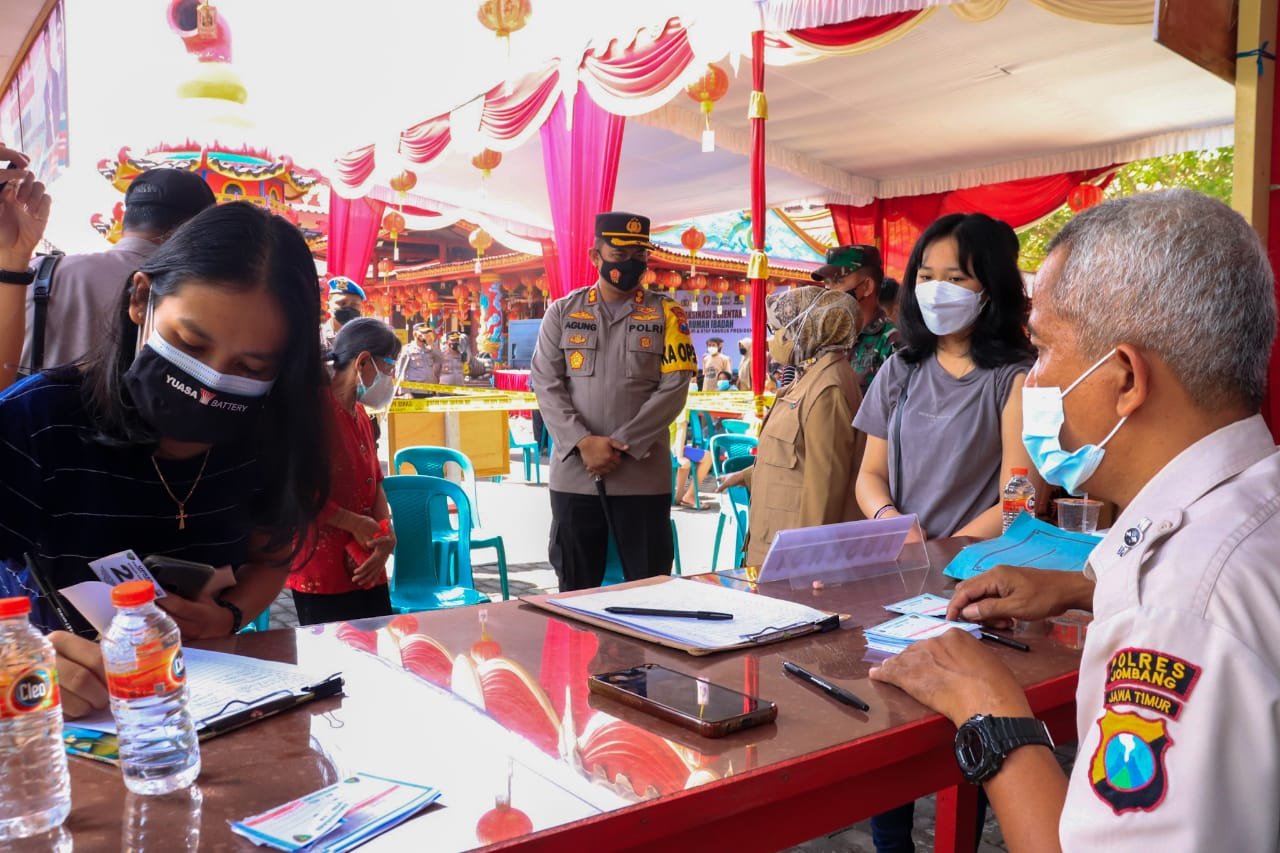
x,y
546,766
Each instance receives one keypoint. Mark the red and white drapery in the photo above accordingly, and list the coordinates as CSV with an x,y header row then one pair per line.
x,y
894,224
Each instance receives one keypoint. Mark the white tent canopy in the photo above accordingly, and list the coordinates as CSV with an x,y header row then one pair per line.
x,y
953,103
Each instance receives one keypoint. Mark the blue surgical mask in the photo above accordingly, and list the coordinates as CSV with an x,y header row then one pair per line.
x,y
1042,419
722,385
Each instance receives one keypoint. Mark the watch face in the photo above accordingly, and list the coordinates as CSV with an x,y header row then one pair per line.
x,y
970,750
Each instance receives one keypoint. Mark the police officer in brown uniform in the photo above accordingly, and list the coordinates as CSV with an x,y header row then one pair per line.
x,y
611,372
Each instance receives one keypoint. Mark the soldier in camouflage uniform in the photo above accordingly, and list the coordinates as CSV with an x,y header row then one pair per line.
x,y
858,271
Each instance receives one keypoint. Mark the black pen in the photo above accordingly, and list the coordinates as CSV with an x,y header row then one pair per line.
x,y
681,614
837,693
1005,641
37,575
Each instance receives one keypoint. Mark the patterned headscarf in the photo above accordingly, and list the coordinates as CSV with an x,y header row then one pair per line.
x,y
815,319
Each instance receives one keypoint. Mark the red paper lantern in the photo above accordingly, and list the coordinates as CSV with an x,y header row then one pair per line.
x,y
486,161
461,293
1084,197
697,283
718,285
393,223
404,182
693,240
385,267
648,278
706,90
709,88
743,289
504,17
671,279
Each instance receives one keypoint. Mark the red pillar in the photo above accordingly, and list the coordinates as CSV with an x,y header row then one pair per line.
x,y
759,113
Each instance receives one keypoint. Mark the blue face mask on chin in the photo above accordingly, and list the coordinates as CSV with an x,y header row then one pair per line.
x,y
1042,420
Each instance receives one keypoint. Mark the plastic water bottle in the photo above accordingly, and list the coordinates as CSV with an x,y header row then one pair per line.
x,y
35,793
146,678
1019,496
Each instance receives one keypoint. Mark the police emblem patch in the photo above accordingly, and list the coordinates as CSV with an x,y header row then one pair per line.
x,y
576,360
1127,769
634,226
646,342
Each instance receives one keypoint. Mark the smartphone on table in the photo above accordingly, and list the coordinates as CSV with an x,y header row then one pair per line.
x,y
693,703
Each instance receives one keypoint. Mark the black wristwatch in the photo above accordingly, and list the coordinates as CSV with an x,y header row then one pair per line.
x,y
237,615
982,743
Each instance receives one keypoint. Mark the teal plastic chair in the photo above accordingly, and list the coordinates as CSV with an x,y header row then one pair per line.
x,y
724,447
613,563
261,623
431,461
421,581
735,426
445,537
737,504
531,453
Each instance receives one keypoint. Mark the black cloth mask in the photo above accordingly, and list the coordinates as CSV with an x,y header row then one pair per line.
x,y
624,275
186,400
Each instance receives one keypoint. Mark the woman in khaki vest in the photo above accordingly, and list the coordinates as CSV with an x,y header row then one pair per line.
x,y
809,452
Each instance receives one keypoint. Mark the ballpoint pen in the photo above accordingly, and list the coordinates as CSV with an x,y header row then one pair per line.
x,y
711,615
837,693
1005,641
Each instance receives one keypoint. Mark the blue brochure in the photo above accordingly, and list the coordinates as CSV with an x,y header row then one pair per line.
x,y
1028,542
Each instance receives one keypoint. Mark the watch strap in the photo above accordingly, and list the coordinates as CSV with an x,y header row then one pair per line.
x,y
237,615
999,737
1013,732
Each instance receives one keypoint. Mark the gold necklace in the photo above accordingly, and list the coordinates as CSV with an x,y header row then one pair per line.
x,y
182,504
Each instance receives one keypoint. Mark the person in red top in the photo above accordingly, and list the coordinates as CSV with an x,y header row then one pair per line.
x,y
331,579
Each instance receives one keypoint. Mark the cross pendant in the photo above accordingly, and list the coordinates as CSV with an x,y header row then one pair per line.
x,y
182,518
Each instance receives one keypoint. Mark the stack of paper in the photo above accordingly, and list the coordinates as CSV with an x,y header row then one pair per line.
x,y
339,817
926,604
898,633
756,618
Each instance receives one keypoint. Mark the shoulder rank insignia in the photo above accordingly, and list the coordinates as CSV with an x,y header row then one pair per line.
x,y
639,297
577,339
581,315
592,295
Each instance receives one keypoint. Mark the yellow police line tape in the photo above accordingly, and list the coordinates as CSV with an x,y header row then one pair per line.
x,y
464,399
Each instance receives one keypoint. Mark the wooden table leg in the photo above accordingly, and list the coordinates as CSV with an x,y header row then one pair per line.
x,y
957,819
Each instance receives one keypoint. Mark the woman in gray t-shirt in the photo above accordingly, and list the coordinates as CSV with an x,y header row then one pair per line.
x,y
944,415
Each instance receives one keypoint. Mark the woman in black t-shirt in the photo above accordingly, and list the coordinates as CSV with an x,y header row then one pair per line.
x,y
191,432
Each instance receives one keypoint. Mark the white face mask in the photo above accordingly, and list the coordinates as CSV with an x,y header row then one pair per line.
x,y
947,308
377,396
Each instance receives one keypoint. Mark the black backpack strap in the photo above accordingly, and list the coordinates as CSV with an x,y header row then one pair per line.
x,y
40,314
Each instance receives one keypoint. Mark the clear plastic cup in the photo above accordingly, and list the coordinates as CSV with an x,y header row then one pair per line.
x,y
1078,515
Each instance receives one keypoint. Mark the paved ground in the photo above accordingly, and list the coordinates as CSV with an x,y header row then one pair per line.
x,y
520,512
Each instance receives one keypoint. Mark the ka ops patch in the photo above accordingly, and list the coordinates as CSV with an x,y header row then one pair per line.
x,y
677,346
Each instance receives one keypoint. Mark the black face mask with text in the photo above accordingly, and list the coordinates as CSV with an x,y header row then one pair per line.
x,y
624,275
186,400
